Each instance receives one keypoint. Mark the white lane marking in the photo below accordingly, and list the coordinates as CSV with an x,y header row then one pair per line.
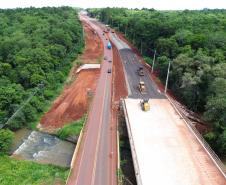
x,y
98,139
82,155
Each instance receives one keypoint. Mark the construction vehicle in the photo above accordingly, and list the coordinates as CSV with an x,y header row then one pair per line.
x,y
140,71
108,28
109,45
141,87
145,106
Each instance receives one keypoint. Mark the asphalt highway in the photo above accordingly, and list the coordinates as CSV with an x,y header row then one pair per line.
x,y
93,164
131,64
96,160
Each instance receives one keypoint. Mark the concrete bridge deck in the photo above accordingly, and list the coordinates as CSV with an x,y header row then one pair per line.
x,y
164,150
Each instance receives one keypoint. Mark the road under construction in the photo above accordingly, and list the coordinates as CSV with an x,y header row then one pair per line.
x,y
164,148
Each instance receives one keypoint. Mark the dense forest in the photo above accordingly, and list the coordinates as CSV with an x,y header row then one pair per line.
x,y
195,43
37,48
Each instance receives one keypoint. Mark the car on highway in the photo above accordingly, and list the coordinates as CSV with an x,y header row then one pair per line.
x,y
109,45
109,61
105,58
109,70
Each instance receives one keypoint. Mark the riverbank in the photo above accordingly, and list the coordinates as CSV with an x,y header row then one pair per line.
x,y
22,172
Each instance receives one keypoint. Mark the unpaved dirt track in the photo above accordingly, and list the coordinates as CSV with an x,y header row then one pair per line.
x,y
93,46
120,89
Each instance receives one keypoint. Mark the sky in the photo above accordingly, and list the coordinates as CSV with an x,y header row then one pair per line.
x,y
156,4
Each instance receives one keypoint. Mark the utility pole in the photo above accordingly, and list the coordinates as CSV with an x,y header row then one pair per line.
x,y
153,63
133,38
112,22
83,33
167,78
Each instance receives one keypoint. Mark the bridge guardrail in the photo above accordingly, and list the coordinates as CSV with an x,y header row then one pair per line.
x,y
133,151
202,141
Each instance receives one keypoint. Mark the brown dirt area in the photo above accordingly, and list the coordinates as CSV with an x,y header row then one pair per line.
x,y
73,101
93,46
119,87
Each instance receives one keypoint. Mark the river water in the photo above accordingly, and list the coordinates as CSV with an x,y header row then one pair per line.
x,y
43,148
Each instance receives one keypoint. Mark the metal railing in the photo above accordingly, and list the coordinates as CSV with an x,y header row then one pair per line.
x,y
201,140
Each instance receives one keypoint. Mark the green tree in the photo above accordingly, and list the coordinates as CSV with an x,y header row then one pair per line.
x,y
6,139
37,46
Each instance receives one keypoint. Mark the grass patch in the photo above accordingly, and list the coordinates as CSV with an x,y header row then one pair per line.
x,y
21,172
99,59
72,129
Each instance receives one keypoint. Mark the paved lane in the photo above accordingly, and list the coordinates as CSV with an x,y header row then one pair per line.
x,y
93,164
131,64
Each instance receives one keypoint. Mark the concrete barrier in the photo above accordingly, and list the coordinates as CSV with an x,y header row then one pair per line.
x,y
88,66
133,151
76,149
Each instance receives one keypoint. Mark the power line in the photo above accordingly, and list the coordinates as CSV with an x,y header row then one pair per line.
x,y
23,105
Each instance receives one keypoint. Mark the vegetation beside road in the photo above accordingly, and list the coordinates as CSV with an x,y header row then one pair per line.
x,y
72,129
37,48
195,43
14,171
6,139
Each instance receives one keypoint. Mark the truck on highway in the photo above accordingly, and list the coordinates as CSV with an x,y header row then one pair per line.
x,y
140,71
109,45
142,87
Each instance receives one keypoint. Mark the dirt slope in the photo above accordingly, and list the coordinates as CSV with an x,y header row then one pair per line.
x,y
73,101
93,48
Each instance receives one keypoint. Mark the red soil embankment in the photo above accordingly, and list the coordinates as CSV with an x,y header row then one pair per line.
x,y
93,46
119,88
73,101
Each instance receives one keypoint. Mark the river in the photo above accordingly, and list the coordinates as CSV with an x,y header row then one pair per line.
x,y
42,147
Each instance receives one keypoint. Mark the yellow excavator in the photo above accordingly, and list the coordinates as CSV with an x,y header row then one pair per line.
x,y
145,106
